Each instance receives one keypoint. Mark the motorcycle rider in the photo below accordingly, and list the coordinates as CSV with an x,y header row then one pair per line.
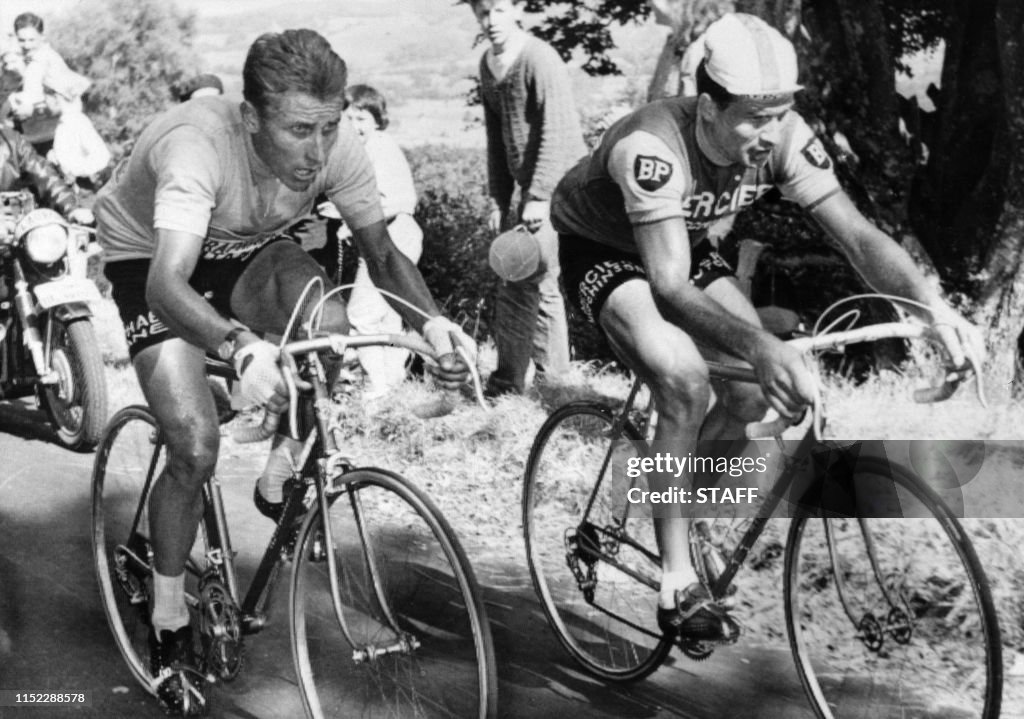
x,y
21,166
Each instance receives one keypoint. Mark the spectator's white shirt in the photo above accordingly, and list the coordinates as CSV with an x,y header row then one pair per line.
x,y
394,178
45,61
77,148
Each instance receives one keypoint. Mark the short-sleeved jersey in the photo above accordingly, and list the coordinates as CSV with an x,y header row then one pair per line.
x,y
649,168
194,170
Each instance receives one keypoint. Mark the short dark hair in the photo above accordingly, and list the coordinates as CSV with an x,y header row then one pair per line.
x,y
705,85
298,60
368,98
27,19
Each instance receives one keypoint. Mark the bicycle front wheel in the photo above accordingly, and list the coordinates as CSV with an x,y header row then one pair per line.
x,y
595,570
129,459
892,617
408,636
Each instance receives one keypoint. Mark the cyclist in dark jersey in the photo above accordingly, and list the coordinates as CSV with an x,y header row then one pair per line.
x,y
191,225
633,220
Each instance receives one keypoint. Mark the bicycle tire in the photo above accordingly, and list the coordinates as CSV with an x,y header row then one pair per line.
x,y
562,473
929,641
128,458
429,590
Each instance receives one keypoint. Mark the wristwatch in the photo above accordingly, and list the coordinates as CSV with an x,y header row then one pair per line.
x,y
227,348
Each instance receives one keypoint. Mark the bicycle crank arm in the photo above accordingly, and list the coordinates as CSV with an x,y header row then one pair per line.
x,y
406,644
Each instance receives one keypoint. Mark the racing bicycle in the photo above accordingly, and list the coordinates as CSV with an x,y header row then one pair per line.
x,y
887,614
386,615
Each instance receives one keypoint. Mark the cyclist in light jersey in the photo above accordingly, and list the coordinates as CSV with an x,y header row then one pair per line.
x,y
632,221
191,224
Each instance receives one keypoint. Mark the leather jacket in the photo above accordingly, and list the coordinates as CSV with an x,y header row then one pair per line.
x,y
21,166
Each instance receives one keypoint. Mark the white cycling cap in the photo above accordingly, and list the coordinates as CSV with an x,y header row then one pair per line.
x,y
750,58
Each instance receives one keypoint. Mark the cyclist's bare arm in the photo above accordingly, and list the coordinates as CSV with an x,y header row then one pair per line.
x,y
887,268
392,271
175,302
665,249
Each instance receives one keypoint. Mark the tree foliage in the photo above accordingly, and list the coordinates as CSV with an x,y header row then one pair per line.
x,y
133,51
585,25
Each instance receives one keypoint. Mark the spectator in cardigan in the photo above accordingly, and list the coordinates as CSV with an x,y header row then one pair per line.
x,y
368,312
78,150
533,138
200,86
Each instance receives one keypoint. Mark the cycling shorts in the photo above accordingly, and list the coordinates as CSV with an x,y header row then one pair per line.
x,y
213,279
591,271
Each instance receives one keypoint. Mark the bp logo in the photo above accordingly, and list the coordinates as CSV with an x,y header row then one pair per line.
x,y
816,155
651,172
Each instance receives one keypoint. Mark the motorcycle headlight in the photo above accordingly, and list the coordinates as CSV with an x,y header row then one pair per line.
x,y
45,235
46,244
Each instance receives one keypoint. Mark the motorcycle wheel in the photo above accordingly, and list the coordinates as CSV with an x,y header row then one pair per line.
x,y
77,404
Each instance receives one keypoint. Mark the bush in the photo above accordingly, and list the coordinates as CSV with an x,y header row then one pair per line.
x,y
453,209
133,51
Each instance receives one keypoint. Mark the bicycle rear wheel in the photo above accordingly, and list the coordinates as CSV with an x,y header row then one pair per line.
x,y
417,643
129,459
579,542
923,640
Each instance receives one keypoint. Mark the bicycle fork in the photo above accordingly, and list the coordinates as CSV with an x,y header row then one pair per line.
x,y
898,622
331,469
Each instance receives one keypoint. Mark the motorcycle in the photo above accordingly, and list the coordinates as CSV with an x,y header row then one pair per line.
x,y
48,345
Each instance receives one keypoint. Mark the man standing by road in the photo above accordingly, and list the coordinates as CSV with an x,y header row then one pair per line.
x,y
533,137
191,225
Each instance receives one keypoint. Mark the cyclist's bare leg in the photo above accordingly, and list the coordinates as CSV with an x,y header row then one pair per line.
x,y
739,403
267,291
173,380
669,362
263,298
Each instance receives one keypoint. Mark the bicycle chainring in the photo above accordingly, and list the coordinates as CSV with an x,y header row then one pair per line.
x,y
696,650
221,628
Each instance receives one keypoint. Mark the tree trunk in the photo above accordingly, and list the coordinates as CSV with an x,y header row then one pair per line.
x,y
1001,297
956,198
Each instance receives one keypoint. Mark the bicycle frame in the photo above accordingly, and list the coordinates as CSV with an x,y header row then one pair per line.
x,y
718,370
328,479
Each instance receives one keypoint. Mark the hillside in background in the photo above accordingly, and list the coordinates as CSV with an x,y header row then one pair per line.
x,y
420,53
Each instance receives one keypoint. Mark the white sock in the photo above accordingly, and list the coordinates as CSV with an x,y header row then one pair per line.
x,y
279,468
169,610
671,582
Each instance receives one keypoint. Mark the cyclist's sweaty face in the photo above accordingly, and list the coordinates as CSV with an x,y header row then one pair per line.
x,y
746,130
294,135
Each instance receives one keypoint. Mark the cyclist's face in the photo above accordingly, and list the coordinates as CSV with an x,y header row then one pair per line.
x,y
746,130
294,135
361,119
29,40
499,19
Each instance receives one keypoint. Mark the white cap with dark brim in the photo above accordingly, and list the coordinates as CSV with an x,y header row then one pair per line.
x,y
750,58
